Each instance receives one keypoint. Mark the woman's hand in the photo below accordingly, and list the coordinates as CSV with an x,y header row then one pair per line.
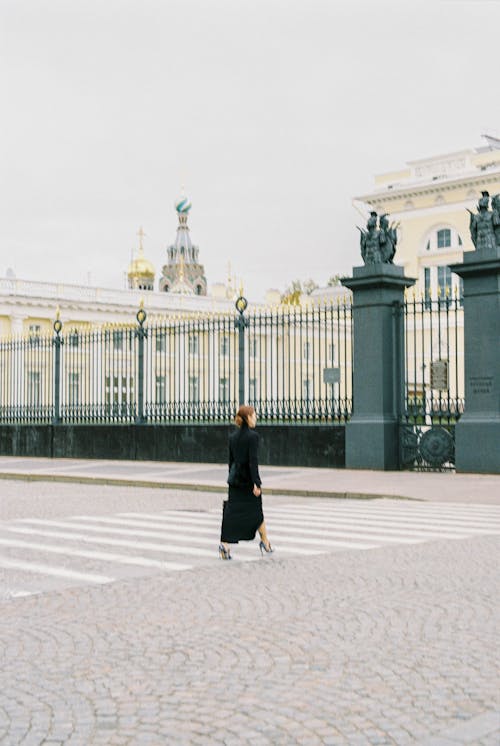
x,y
256,490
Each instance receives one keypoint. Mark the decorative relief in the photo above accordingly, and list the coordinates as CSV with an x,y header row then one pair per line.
x,y
409,446
437,446
421,447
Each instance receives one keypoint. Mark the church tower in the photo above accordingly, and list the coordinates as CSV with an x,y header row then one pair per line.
x,y
141,273
182,273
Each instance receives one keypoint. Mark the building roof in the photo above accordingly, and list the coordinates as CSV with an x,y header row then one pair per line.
x,y
438,173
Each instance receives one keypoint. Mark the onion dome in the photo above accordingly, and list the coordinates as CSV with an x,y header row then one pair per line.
x,y
183,205
140,266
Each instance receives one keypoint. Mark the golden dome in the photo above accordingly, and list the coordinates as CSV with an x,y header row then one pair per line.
x,y
141,267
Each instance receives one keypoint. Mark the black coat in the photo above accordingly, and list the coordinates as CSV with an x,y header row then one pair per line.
x,y
242,511
243,448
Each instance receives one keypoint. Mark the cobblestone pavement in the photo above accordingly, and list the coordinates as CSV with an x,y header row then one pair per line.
x,y
394,644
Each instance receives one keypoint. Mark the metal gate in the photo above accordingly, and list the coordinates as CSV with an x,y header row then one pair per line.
x,y
434,382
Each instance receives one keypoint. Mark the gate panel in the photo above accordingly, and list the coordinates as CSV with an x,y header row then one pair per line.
x,y
434,382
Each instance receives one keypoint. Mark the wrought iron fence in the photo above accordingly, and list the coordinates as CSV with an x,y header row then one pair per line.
x,y
434,381
300,363
294,364
26,380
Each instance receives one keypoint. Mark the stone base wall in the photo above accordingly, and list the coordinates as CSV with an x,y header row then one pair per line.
x,y
280,445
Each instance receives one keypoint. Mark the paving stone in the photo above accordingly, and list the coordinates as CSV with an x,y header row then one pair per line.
x,y
393,645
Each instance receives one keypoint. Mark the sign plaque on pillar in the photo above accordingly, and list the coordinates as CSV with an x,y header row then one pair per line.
x,y
439,375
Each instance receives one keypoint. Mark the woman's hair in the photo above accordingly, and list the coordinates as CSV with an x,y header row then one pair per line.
x,y
242,415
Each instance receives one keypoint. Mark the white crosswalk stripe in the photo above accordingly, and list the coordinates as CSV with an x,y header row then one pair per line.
x,y
293,520
60,572
83,547
107,556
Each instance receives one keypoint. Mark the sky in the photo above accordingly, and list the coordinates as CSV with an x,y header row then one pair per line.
x,y
273,114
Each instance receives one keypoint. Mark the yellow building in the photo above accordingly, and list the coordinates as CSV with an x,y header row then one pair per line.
x,y
430,199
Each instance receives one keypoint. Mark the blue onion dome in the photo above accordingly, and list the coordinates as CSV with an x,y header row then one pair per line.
x,y
183,205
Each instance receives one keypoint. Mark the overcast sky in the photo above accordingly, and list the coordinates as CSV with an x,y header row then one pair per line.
x,y
273,113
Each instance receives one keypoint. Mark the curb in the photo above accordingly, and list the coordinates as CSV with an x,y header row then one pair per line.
x,y
115,481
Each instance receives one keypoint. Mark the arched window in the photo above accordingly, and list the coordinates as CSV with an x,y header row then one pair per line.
x,y
443,238
166,288
199,289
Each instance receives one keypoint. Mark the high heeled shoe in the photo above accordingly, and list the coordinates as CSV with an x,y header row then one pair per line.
x,y
224,553
263,548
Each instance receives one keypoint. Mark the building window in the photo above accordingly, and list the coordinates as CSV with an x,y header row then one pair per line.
x,y
252,389
307,388
34,334
253,348
224,389
199,289
444,238
160,342
73,388
113,393
461,290
307,350
193,344
331,353
118,340
427,287
34,388
194,389
161,389
127,390
444,280
224,346
107,390
73,339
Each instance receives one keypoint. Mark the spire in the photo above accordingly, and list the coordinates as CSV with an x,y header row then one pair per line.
x,y
183,273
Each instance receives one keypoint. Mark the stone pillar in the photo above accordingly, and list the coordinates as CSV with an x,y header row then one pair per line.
x,y
372,433
477,433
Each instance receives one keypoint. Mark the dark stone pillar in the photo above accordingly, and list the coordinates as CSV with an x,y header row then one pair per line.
x,y
477,433
372,437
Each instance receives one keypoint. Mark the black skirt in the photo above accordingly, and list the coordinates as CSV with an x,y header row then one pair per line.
x,y
241,515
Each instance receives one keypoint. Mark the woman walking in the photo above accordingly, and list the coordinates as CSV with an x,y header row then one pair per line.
x,y
242,513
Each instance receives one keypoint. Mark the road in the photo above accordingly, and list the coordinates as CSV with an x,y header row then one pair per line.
x,y
374,622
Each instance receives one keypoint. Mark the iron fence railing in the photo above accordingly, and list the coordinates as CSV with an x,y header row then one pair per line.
x,y
434,345
27,380
300,363
294,364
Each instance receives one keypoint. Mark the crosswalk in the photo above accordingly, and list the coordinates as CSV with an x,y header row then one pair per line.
x,y
38,554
